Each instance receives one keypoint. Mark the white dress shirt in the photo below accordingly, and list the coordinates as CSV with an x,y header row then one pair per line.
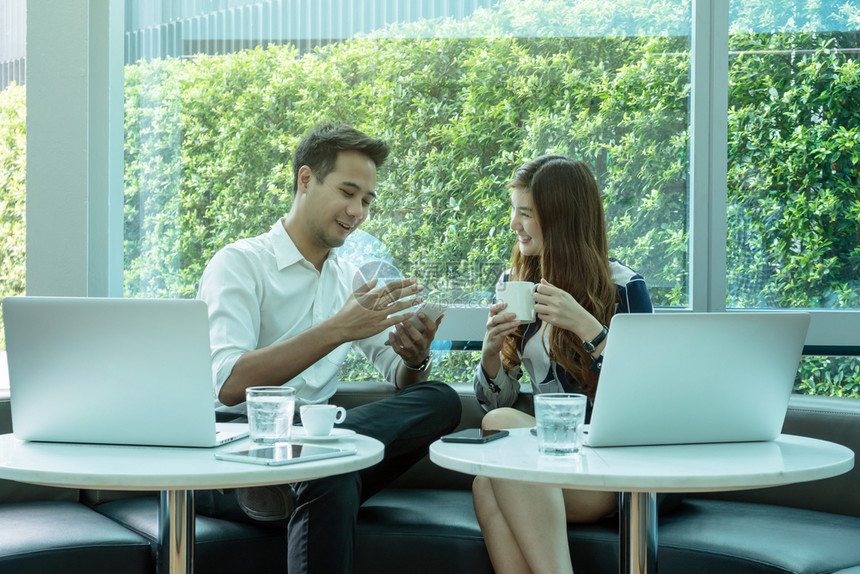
x,y
261,291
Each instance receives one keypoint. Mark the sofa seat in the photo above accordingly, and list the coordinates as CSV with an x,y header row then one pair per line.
x,y
431,531
428,531
221,546
421,532
68,537
717,536
699,535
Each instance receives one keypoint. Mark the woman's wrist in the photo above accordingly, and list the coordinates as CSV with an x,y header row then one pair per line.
x,y
491,364
594,346
589,329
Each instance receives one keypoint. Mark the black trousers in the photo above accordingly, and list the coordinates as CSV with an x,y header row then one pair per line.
x,y
321,532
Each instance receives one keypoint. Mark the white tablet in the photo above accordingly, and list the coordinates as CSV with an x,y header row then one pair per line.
x,y
284,453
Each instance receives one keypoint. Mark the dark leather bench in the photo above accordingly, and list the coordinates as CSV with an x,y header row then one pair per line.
x,y
425,522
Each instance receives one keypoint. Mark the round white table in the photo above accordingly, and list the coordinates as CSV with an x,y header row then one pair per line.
x,y
639,473
175,471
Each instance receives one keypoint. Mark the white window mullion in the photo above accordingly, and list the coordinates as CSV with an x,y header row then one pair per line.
x,y
708,153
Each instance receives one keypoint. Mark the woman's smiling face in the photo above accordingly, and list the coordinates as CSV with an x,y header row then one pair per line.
x,y
524,222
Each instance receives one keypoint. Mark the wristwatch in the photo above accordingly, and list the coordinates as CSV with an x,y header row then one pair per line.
x,y
591,345
425,364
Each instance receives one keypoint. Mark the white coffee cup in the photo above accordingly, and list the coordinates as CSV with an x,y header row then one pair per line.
x,y
519,295
318,420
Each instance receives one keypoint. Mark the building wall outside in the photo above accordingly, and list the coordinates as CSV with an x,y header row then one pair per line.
x,y
13,40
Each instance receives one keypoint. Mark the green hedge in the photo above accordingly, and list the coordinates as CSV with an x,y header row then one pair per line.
x,y
460,114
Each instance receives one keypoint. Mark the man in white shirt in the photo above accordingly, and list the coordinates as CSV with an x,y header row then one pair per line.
x,y
283,311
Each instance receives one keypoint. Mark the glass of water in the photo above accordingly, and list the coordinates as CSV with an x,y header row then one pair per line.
x,y
560,420
270,413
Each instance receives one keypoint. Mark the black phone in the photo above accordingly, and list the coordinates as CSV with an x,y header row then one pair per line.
x,y
475,436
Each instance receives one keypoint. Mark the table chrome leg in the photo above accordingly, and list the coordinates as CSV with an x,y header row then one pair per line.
x,y
638,533
175,554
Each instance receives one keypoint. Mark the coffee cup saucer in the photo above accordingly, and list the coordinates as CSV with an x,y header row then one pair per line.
x,y
299,433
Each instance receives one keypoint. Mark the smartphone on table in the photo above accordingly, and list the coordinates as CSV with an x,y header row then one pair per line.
x,y
475,436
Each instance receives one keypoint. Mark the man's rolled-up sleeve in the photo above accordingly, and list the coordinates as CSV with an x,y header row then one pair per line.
x,y
229,288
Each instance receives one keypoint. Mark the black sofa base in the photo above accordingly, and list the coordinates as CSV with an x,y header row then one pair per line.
x,y
718,536
221,546
426,531
68,537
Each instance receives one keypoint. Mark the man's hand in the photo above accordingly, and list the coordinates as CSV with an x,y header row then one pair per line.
x,y
412,345
370,310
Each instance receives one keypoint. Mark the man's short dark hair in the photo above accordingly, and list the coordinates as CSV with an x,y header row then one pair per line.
x,y
319,147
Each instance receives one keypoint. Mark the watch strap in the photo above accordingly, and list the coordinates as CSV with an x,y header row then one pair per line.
x,y
591,345
425,364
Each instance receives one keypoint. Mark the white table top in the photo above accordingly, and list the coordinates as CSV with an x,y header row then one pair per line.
x,y
112,467
674,468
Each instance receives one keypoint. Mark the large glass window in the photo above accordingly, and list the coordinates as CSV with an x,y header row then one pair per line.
x,y
12,158
794,167
794,155
463,91
217,94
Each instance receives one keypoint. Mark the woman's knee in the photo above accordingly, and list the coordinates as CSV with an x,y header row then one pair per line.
x,y
506,418
480,486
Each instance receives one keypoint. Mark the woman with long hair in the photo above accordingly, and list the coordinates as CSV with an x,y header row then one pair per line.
x,y
557,215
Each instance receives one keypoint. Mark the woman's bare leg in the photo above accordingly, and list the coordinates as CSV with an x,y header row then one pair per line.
x,y
503,548
524,525
536,518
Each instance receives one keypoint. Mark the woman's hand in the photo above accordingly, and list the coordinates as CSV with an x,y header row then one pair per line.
x,y
558,308
499,326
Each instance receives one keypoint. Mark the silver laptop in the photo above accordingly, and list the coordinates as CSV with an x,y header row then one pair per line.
x,y
680,378
110,370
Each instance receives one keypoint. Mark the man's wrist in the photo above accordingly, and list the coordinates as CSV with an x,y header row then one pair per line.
x,y
421,367
332,334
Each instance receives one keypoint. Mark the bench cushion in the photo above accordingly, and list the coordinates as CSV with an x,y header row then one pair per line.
x,y
710,536
68,537
421,532
431,531
427,531
221,546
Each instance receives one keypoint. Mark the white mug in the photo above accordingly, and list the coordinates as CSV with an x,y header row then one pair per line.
x,y
519,295
318,420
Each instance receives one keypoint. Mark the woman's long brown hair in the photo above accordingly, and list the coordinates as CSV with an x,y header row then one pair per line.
x,y
575,255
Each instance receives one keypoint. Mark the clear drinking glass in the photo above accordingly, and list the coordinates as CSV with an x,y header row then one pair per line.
x,y
270,413
560,420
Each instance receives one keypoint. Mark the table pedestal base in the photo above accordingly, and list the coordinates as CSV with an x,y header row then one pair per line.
x,y
175,553
638,533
